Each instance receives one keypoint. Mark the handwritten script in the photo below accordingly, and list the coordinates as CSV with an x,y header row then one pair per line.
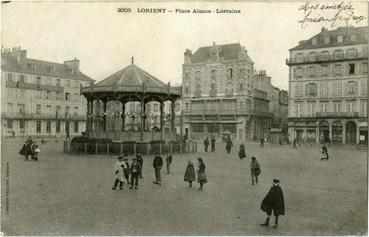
x,y
332,13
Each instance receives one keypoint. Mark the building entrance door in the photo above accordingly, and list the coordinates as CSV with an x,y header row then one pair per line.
x,y
350,132
337,132
324,132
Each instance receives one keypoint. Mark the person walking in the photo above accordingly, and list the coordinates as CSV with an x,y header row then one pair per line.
x,y
157,163
168,160
140,160
201,175
262,142
229,145
273,201
119,173
212,141
126,169
26,148
255,170
206,144
242,152
325,152
135,173
190,175
35,151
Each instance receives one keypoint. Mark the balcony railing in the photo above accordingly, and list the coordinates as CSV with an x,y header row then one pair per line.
x,y
53,116
337,114
12,84
327,57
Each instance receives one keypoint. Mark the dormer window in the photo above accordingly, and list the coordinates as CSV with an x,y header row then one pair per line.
x,y
50,69
32,66
326,40
354,37
340,39
70,70
314,41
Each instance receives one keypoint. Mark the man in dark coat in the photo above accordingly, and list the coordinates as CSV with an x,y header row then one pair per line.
x,y
212,144
273,201
157,163
229,145
140,160
206,144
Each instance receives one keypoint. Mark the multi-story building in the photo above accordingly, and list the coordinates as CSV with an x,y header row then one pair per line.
x,y
328,76
222,94
41,98
283,110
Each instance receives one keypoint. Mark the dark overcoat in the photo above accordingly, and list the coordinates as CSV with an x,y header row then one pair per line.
x,y
274,200
241,152
229,144
190,174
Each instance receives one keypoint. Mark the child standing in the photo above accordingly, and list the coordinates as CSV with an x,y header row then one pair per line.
x,y
190,174
35,151
119,173
135,173
169,162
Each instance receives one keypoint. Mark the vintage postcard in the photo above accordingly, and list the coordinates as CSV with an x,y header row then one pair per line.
x,y
184,118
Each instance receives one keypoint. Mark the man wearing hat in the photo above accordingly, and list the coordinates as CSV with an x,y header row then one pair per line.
x,y
273,201
119,173
255,170
157,164
135,172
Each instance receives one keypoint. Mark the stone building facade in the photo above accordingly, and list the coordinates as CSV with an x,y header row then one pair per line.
x,y
328,76
222,94
41,98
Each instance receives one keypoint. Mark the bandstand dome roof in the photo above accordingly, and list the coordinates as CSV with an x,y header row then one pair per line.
x,y
132,79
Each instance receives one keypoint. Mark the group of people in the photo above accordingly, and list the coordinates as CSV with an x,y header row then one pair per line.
x,y
131,173
30,148
212,142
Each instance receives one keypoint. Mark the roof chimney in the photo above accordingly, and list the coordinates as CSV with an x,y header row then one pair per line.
x,y
132,60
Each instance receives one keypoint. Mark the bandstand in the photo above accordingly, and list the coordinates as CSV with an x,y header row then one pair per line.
x,y
131,84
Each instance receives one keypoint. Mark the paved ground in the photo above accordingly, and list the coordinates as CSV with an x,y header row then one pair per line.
x,y
71,195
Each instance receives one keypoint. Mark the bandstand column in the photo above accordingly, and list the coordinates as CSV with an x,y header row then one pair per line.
x,y
173,115
105,120
161,120
123,116
142,119
88,117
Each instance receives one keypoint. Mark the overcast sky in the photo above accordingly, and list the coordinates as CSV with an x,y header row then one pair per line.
x,y
104,40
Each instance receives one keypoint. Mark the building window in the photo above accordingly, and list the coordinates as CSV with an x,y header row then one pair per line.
x,y
324,55
48,109
314,41
363,87
21,108
230,73
58,108
198,84
351,88
338,69
38,81
363,108
323,107
311,71
340,39
324,70
324,89
351,68
50,68
10,124
58,82
9,107
299,72
156,108
326,40
299,106
38,126
10,77
350,106
75,112
187,106
67,110
337,88
67,96
198,127
354,37
365,68
22,79
311,89
31,66
57,128
76,83
21,125
75,127
337,106
312,56
298,90
311,109
68,83
338,54
38,109
48,126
